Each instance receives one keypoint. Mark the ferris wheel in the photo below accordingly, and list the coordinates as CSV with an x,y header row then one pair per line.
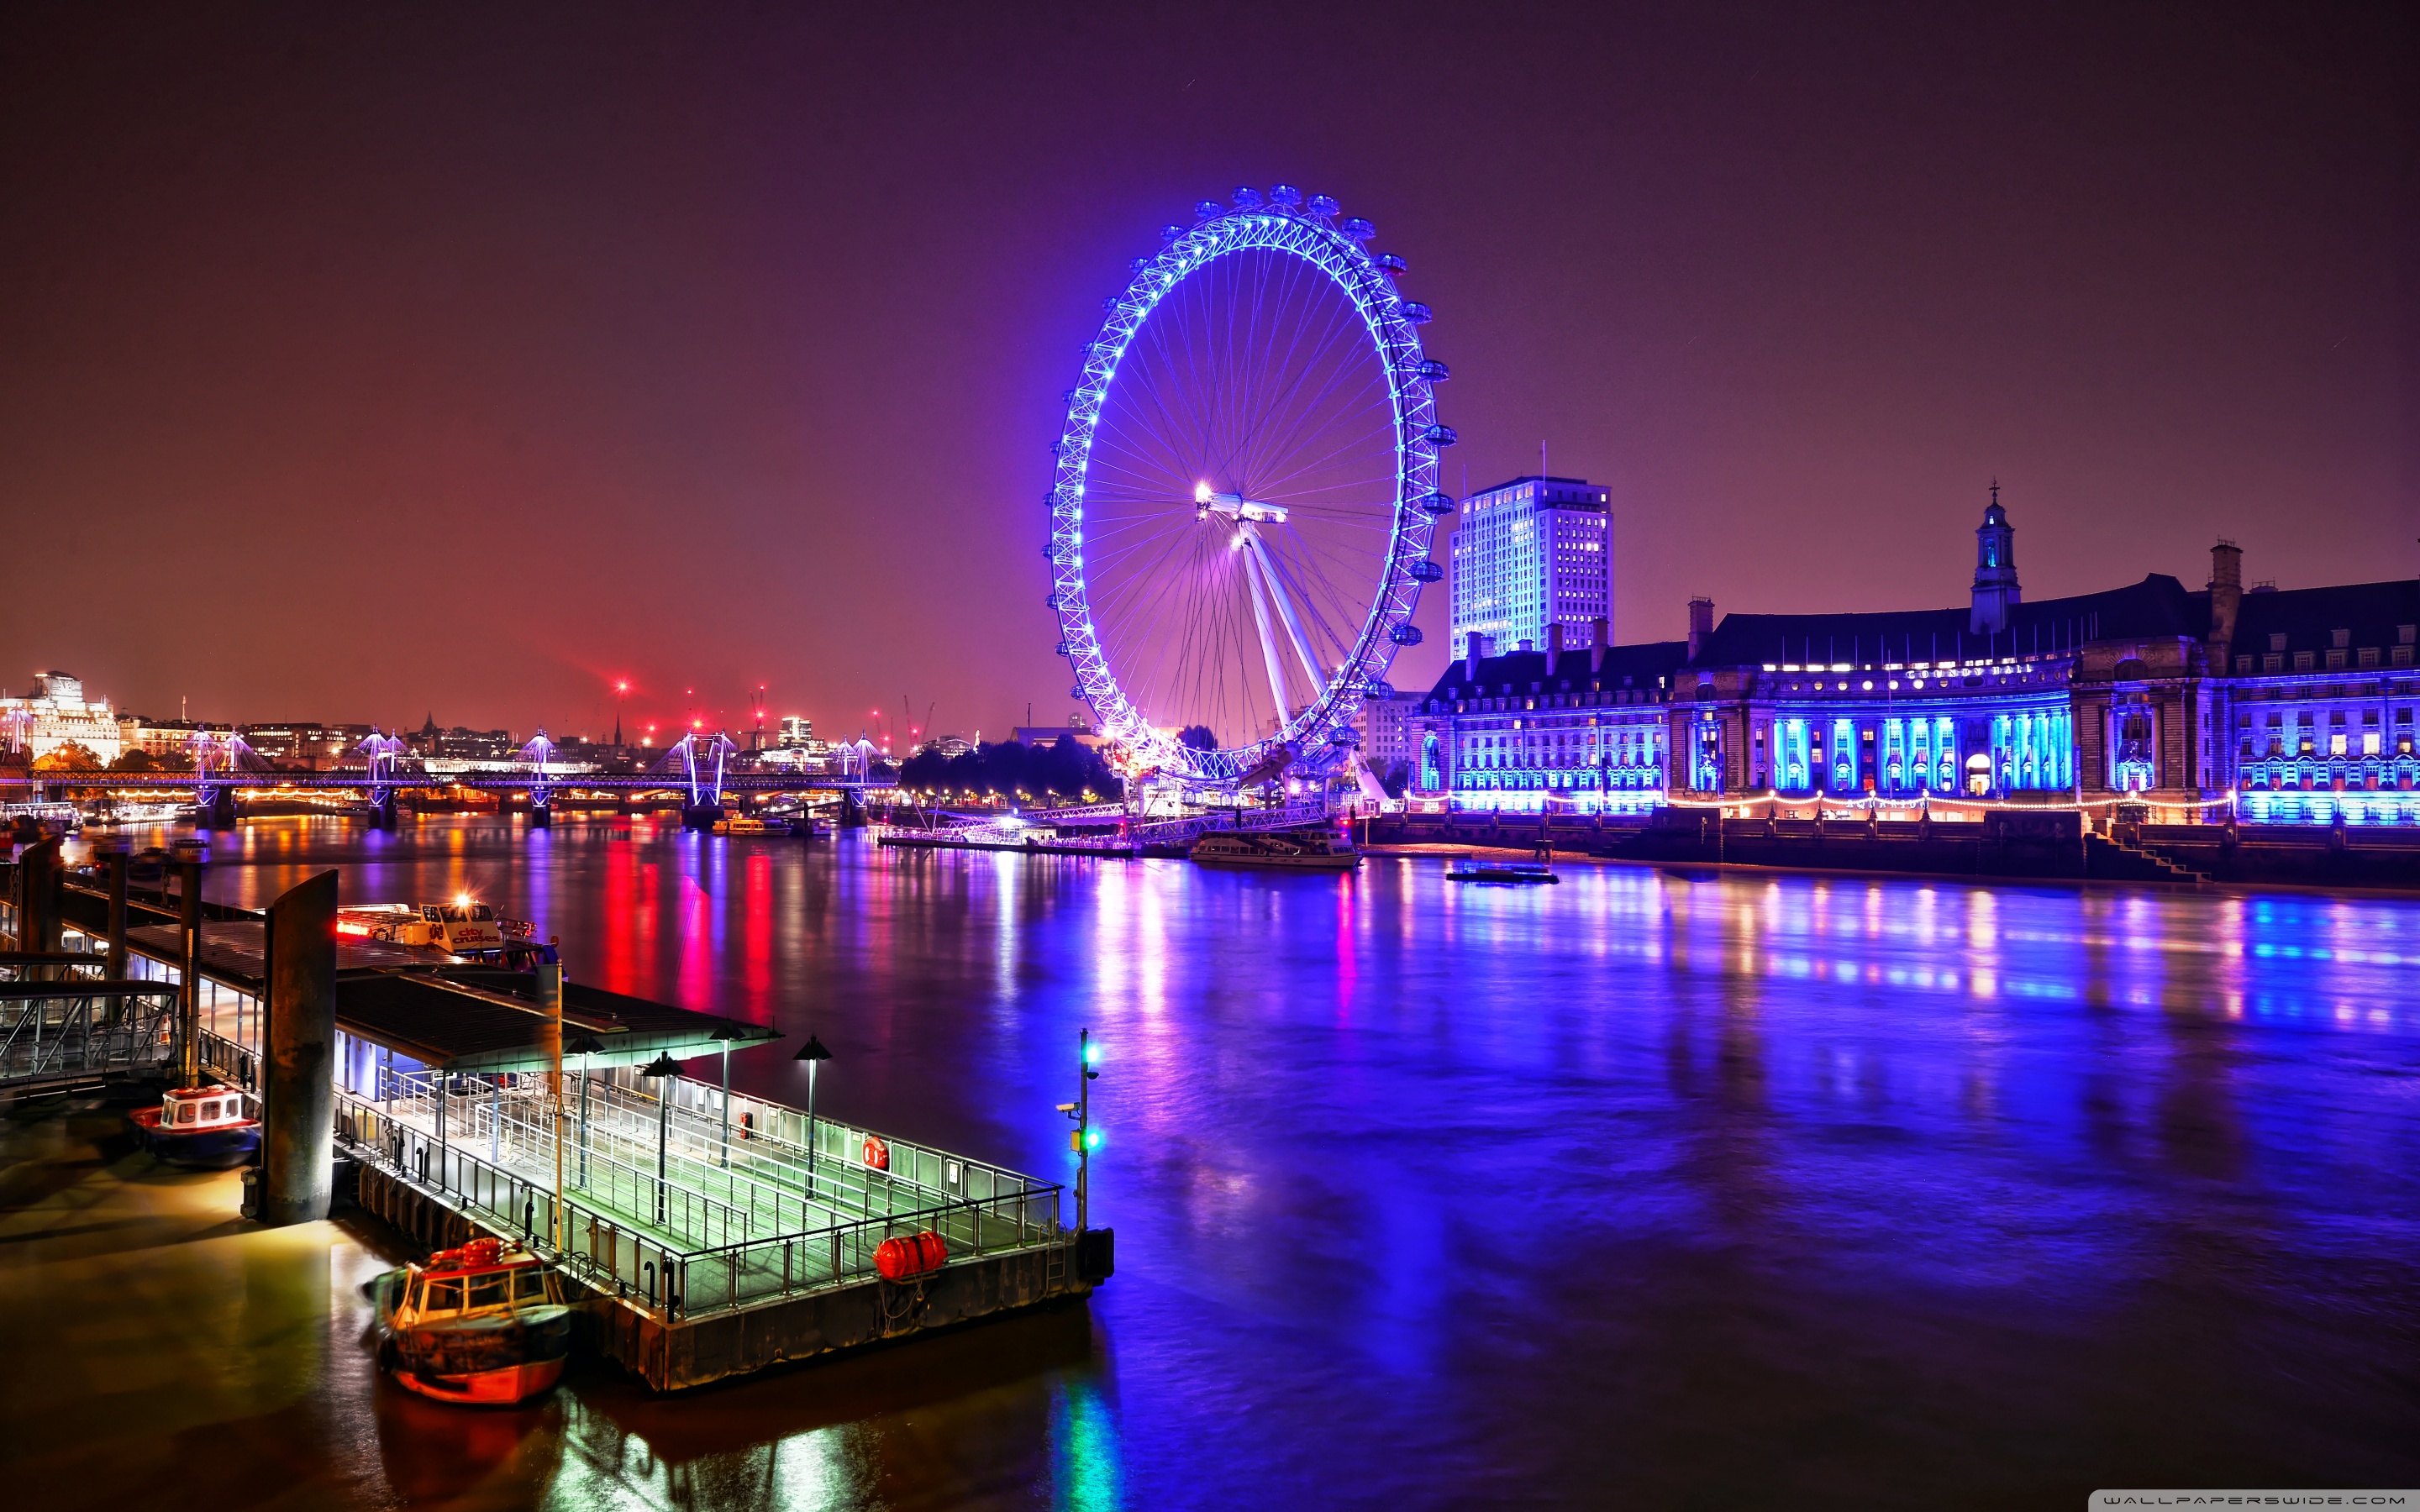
x,y
1245,491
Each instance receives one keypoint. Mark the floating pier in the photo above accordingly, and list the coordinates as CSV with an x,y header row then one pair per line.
x,y
709,1234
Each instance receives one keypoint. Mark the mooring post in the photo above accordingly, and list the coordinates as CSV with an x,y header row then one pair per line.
x,y
116,861
39,885
298,1145
189,988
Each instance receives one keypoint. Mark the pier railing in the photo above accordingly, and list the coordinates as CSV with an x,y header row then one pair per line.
x,y
698,1258
68,1031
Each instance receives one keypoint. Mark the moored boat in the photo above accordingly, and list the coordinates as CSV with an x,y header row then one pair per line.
x,y
1530,872
1310,849
199,1126
480,1325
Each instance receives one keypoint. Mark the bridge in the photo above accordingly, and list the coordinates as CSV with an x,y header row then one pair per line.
x,y
698,767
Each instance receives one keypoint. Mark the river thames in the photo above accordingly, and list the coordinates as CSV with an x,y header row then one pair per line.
x,y
1648,1188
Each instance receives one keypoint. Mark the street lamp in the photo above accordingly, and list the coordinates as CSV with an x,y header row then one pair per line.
x,y
814,1053
584,1044
661,1067
725,1033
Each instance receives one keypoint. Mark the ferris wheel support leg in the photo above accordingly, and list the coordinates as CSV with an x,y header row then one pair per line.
x,y
1269,651
1285,612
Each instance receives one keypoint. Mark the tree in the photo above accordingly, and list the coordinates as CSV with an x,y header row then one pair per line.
x,y
73,756
1198,736
135,759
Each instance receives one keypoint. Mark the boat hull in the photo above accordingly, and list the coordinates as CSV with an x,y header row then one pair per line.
x,y
504,1386
215,1147
1278,863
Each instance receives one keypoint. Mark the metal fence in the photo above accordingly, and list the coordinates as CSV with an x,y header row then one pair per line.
x,y
54,1031
678,1267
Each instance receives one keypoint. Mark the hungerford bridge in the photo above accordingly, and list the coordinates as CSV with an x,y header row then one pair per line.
x,y
697,768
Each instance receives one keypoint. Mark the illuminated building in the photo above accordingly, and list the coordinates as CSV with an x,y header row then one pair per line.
x,y
1385,735
1584,729
306,744
798,731
56,714
2295,707
1529,554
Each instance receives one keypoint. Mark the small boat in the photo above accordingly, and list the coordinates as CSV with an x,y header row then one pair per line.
x,y
743,825
479,1324
1541,868
462,927
198,1126
1314,849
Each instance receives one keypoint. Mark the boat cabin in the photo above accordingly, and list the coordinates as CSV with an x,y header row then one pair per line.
x,y
476,1278
192,1109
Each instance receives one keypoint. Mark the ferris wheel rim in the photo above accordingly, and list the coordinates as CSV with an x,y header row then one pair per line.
x,y
1392,323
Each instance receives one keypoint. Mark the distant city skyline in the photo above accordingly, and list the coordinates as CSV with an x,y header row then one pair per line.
x,y
368,363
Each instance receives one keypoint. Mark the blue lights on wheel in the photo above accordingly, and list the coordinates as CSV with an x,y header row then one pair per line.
x,y
1320,637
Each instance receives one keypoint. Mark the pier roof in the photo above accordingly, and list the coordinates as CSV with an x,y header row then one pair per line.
x,y
460,1017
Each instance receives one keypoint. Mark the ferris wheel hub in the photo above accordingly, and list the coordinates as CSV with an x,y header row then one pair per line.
x,y
1235,506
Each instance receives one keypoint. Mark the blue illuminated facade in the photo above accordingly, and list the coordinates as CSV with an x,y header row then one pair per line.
x,y
2267,706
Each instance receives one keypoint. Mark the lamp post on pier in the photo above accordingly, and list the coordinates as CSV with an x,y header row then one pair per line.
x,y
583,1045
814,1053
725,1033
663,1069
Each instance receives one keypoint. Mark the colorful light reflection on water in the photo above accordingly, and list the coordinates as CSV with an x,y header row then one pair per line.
x,y
1690,1186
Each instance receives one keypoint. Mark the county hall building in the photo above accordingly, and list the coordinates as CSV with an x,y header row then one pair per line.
x,y
2294,706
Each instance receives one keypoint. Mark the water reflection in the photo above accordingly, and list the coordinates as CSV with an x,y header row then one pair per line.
x,y
1697,1186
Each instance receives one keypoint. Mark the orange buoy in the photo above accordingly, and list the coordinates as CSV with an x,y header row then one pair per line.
x,y
878,1155
910,1255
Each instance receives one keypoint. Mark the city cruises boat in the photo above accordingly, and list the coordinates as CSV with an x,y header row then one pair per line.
x,y
1314,849
743,825
461,927
1538,868
198,1126
479,1324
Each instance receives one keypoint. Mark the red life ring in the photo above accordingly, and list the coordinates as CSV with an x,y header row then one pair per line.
x,y
878,1155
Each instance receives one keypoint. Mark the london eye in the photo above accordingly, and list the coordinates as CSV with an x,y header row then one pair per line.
x,y
1244,492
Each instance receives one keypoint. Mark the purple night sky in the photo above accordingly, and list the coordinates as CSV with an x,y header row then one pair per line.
x,y
357,362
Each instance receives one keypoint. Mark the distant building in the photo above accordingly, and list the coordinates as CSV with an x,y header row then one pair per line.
x,y
798,731
1528,554
56,714
1047,734
2288,707
460,744
303,744
163,737
1386,737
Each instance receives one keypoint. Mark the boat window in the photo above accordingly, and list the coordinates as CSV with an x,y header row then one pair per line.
x,y
482,913
491,1291
429,913
184,1113
411,1292
209,1111
443,1296
530,1285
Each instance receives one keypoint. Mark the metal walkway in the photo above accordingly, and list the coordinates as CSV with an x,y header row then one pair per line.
x,y
721,1227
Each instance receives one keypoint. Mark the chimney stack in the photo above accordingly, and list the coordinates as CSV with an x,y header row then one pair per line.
x,y
1470,657
1554,646
2225,599
1598,630
1702,624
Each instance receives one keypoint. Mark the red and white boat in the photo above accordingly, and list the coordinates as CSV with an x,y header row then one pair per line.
x,y
480,1325
204,1126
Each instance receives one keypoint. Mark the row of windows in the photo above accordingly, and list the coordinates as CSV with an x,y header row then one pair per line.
x,y
2305,661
